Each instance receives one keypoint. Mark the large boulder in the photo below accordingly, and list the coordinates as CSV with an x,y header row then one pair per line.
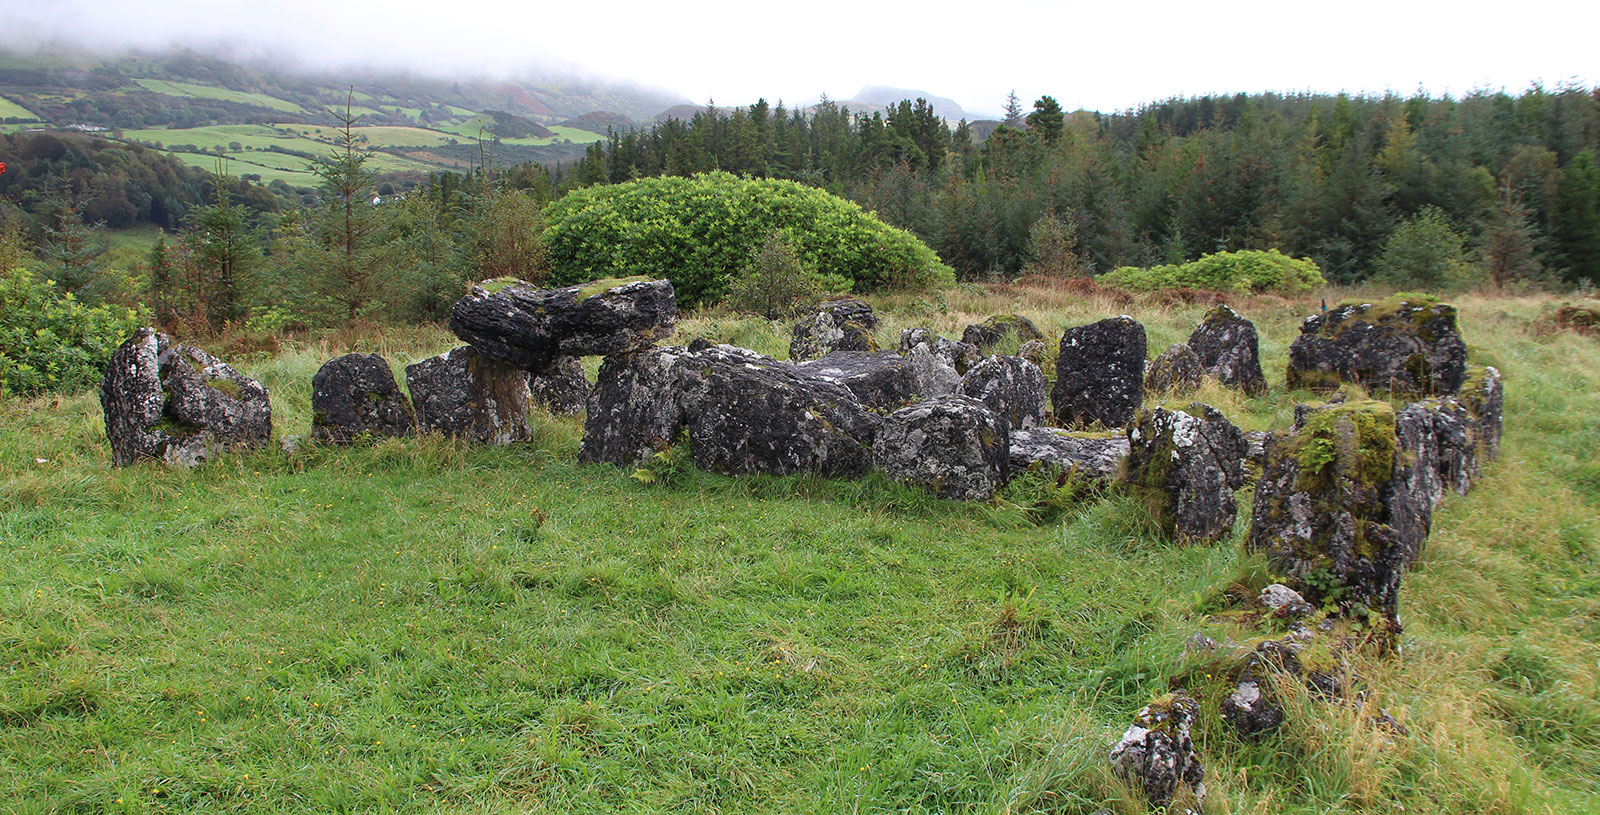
x,y
356,395
176,403
1100,373
748,413
471,396
563,389
1157,754
635,409
1174,371
1188,463
881,380
954,447
1093,456
1001,328
1321,512
1229,350
934,374
836,325
1011,386
1401,346
532,328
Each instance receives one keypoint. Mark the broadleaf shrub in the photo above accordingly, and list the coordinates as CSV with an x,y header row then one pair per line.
x,y
776,284
1242,272
51,342
700,232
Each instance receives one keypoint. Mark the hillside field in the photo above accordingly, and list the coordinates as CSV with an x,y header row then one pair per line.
x,y
422,626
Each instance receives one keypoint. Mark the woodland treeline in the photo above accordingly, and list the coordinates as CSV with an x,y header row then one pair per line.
x,y
1511,178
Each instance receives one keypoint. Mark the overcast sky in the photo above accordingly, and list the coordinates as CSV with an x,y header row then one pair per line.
x,y
1104,55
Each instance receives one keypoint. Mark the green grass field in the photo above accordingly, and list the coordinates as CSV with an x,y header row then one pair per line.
x,y
10,109
193,90
420,626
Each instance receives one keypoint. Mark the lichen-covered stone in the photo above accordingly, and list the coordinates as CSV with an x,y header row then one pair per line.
x,y
1174,371
913,337
1096,456
1285,602
999,329
1315,658
1484,394
1455,436
934,375
1251,710
881,380
1100,373
1012,387
1229,349
1188,463
1257,444
836,325
1414,486
634,409
356,394
171,402
533,328
748,413
1038,353
954,447
1321,515
1157,754
470,396
563,389
1401,346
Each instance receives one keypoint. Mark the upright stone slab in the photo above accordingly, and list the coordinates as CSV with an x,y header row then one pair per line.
x,y
1157,753
1484,394
356,395
532,328
563,389
881,380
1000,328
1175,371
1229,349
1403,347
1012,387
1100,373
171,402
465,394
1414,486
1455,435
1321,511
1188,463
934,375
954,447
836,325
635,409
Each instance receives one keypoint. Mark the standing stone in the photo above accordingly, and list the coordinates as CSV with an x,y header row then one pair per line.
x,y
1229,350
1188,462
881,380
1100,373
954,447
998,329
837,325
564,389
934,375
1321,514
913,337
1093,456
634,409
471,396
1484,395
1414,486
1038,353
1157,754
1012,387
1455,435
356,394
1399,346
176,403
1175,371
532,328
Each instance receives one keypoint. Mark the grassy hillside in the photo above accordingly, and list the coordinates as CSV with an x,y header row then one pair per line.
x,y
419,626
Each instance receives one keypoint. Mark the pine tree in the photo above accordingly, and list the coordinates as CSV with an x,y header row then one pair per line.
x,y
73,253
1047,119
228,251
346,224
1013,117
1576,219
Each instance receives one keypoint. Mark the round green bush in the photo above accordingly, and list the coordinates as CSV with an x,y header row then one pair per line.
x,y
1242,272
50,342
699,232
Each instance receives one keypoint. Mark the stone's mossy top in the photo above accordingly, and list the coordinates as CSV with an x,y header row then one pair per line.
x,y
521,324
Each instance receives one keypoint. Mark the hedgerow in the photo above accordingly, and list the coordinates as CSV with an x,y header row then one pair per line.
x,y
1242,272
699,232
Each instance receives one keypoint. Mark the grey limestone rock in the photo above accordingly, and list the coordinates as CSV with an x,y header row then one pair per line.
x,y
176,403
1157,755
635,409
1012,387
836,325
1097,456
533,328
1174,371
1285,601
1404,347
563,389
998,329
1100,373
1484,394
357,394
1189,461
934,376
953,446
881,380
466,394
1230,350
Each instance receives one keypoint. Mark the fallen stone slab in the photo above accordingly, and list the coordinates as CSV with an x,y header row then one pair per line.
x,y
954,447
1401,346
881,380
1095,456
531,328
